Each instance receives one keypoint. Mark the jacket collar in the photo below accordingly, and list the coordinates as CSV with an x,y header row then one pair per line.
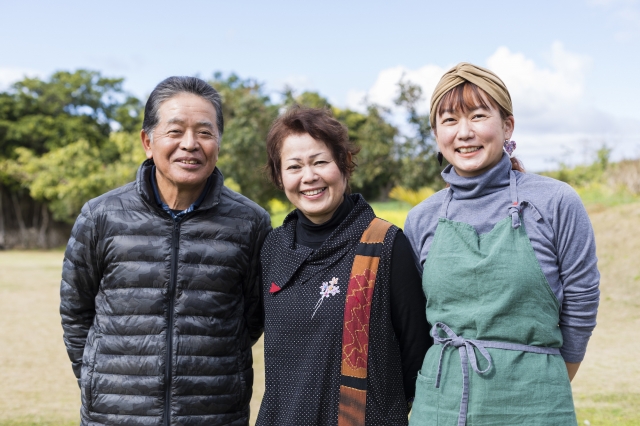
x,y
210,198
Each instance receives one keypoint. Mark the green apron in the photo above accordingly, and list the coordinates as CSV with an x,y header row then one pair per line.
x,y
495,360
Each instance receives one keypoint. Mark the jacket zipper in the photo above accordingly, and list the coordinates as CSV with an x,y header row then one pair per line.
x,y
173,279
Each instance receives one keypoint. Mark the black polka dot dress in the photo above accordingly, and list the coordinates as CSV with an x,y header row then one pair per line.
x,y
304,297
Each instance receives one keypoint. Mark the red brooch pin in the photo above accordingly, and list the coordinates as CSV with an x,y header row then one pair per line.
x,y
274,288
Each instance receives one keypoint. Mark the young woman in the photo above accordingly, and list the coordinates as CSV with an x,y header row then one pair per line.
x,y
510,271
345,331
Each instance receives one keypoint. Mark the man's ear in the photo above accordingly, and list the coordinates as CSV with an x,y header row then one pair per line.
x,y
146,143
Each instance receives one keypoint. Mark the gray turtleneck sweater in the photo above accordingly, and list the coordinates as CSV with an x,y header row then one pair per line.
x,y
555,221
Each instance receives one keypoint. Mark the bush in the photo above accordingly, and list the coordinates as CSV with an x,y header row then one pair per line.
x,y
626,173
410,196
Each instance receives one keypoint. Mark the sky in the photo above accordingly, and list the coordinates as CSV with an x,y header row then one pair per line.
x,y
572,66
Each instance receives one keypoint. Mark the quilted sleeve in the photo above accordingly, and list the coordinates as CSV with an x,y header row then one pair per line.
x,y
79,286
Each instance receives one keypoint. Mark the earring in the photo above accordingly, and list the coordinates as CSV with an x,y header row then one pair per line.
x,y
439,157
509,146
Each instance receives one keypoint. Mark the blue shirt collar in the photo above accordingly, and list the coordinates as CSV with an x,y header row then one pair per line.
x,y
177,216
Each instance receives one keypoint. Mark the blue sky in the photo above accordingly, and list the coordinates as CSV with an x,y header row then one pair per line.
x,y
572,66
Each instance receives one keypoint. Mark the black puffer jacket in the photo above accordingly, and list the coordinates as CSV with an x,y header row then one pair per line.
x,y
159,317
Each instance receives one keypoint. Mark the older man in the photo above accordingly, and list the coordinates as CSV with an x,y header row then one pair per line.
x,y
159,298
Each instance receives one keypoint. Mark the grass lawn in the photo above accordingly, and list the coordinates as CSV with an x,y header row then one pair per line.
x,y
38,387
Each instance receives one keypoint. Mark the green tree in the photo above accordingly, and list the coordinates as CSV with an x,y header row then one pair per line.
x,y
43,115
377,167
57,145
66,177
306,99
416,151
248,114
71,137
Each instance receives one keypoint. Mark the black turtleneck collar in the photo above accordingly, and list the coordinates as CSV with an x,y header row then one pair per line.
x,y
313,235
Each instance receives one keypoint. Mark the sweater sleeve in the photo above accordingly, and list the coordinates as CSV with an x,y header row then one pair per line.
x,y
408,312
413,238
420,226
577,264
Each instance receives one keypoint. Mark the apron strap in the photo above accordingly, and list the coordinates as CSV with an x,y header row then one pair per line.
x,y
445,203
355,332
514,208
467,353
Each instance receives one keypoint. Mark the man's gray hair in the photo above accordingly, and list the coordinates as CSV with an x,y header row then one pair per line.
x,y
173,86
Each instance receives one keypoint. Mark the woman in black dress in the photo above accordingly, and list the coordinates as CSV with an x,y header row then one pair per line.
x,y
345,330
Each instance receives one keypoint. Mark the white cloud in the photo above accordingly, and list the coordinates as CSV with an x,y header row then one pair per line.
x,y
9,75
534,88
552,115
385,89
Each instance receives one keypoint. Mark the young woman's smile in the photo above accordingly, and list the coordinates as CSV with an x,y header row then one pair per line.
x,y
472,141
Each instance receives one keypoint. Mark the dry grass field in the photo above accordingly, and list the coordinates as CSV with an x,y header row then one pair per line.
x,y
38,388
607,387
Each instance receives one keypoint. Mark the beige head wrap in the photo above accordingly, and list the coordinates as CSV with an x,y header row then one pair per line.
x,y
481,77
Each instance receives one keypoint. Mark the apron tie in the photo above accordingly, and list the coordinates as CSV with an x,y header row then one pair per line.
x,y
467,354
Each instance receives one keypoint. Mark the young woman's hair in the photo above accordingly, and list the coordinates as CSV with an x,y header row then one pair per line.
x,y
321,126
467,97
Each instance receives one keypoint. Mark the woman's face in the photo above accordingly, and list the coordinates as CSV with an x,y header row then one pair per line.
x,y
311,178
472,141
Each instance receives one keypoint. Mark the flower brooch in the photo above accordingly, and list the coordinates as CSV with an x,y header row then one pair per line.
x,y
326,290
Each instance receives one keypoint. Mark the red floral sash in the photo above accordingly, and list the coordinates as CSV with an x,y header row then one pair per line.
x,y
355,335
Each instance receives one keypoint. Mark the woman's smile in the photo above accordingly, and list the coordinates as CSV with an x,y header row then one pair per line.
x,y
311,193
469,150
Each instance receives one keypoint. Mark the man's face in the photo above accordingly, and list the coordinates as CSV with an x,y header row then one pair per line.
x,y
185,143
